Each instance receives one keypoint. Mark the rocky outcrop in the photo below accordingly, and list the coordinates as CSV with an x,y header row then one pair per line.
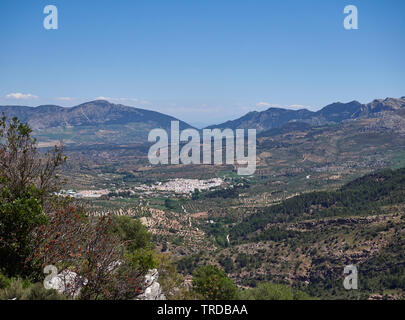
x,y
67,283
153,289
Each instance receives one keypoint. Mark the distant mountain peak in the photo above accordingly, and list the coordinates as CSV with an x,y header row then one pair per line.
x,y
97,103
333,113
96,121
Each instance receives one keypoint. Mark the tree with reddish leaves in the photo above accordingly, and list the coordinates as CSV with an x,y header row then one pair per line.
x,y
87,247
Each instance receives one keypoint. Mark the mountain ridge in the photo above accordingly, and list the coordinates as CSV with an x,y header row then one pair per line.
x,y
88,113
333,113
100,121
97,121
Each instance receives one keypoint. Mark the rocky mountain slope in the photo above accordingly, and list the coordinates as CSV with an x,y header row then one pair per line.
x,y
333,113
95,122
307,240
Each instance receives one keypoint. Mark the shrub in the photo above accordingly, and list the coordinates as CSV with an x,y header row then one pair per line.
x,y
4,281
15,291
212,283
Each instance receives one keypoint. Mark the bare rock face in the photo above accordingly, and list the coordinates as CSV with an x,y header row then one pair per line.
x,y
67,283
153,290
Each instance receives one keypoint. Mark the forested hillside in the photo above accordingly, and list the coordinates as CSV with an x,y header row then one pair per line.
x,y
363,196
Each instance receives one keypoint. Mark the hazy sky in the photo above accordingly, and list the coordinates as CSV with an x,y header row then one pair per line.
x,y
202,61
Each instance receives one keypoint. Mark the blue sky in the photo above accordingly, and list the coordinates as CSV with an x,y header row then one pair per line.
x,y
202,61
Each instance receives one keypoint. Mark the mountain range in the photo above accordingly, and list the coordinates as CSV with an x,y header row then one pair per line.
x,y
93,122
103,122
333,113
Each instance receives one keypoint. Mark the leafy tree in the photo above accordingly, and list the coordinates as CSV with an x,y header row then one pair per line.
x,y
227,263
212,283
139,250
132,232
172,204
169,279
22,167
196,194
187,264
27,180
18,219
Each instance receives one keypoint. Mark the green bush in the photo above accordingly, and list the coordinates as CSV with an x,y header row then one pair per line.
x,y
139,250
4,281
19,217
19,289
38,292
212,283
142,259
15,291
132,232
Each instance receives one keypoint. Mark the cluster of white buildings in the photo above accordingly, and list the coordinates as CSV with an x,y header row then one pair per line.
x,y
83,193
183,185
179,186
